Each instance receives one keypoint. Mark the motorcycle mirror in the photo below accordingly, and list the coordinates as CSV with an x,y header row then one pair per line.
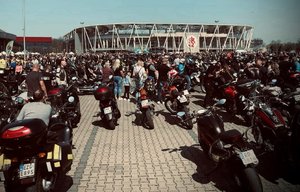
x,y
221,102
235,74
71,99
274,80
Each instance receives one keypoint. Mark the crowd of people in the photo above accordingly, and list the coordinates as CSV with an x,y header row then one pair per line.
x,y
129,71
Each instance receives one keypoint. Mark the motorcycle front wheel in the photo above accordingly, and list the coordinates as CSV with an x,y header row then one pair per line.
x,y
149,119
248,180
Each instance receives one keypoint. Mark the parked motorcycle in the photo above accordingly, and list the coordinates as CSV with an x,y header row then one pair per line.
x,y
145,104
35,157
58,97
228,148
176,102
109,111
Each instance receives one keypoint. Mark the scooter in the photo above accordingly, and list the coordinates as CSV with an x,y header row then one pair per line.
x,y
35,157
228,148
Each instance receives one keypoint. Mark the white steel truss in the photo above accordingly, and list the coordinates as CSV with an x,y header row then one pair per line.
x,y
171,37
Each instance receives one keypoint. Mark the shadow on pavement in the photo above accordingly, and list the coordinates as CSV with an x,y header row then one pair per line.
x,y
206,171
171,119
272,170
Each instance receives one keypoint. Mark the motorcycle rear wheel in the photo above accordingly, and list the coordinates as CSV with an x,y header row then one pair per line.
x,y
249,181
111,124
189,121
149,119
169,106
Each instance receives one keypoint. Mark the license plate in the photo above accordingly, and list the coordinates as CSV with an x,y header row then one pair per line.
x,y
26,170
248,157
186,92
107,110
182,99
145,103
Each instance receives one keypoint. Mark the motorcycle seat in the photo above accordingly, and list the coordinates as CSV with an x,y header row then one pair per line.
x,y
230,136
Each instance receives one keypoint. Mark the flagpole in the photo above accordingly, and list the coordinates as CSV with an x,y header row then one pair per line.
x,y
24,42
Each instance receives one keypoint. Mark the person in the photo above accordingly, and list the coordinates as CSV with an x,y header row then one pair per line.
x,y
107,72
36,109
297,64
61,74
118,76
285,67
127,83
3,63
163,70
150,69
48,77
209,81
34,81
139,73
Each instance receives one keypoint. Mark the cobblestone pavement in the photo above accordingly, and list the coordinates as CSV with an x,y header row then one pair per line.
x,y
167,158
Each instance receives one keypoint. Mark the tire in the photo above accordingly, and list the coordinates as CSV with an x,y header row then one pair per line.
x,y
189,120
249,181
149,119
41,177
168,105
201,85
111,124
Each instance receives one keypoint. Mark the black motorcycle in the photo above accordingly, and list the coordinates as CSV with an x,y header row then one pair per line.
x,y
228,148
35,157
59,96
109,111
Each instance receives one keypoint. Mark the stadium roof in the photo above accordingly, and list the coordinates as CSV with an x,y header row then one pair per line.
x,y
5,35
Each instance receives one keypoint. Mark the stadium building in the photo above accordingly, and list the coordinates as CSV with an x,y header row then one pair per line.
x,y
170,37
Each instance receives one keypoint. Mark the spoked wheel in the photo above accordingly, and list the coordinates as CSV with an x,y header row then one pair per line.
x,y
170,106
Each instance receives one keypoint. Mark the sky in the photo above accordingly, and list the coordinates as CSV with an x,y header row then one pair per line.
x,y
271,19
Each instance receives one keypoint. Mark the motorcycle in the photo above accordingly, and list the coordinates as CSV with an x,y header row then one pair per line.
x,y
229,148
109,111
145,104
58,96
274,132
176,102
35,157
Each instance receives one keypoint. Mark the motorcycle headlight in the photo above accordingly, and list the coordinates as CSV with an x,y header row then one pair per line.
x,y
71,99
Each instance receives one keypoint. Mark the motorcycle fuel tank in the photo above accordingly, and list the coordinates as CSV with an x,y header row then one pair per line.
x,y
210,127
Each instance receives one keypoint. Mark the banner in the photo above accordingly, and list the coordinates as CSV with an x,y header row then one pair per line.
x,y
191,43
9,47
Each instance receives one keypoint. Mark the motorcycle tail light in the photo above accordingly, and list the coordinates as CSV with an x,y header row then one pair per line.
x,y
230,91
16,132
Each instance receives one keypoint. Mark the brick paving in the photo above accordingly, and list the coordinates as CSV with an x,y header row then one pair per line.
x,y
132,158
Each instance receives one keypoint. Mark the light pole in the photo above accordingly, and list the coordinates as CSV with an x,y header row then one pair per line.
x,y
24,24
82,31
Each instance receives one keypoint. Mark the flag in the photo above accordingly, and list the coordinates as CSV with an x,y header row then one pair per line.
x,y
9,47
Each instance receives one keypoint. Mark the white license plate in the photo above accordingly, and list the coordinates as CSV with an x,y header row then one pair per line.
x,y
107,110
248,157
26,170
182,99
145,103
186,92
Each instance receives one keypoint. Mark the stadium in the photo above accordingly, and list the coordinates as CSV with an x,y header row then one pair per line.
x,y
144,37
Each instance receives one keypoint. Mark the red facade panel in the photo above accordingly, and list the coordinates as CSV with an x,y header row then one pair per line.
x,y
34,39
